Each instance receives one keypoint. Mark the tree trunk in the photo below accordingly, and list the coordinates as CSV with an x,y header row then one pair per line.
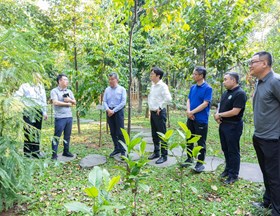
x,y
140,100
133,22
76,69
100,123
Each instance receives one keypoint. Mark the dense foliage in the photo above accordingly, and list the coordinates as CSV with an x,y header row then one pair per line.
x,y
89,39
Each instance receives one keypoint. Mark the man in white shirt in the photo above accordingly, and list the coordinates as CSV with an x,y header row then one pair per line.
x,y
33,96
158,98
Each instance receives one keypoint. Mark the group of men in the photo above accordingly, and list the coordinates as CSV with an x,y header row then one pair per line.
x,y
266,105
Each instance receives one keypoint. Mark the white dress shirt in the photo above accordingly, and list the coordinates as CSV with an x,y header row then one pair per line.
x,y
159,96
33,96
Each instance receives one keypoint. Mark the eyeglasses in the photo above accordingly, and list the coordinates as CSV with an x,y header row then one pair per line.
x,y
252,62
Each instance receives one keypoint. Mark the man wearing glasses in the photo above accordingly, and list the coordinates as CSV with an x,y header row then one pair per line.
x,y
266,105
62,99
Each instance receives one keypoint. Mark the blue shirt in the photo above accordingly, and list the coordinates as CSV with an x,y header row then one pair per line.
x,y
199,94
114,98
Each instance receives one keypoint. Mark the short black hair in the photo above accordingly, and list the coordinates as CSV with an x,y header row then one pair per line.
x,y
233,75
158,71
200,70
59,76
267,56
114,75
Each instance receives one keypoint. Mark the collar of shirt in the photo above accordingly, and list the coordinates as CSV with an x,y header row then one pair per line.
x,y
61,89
234,89
266,77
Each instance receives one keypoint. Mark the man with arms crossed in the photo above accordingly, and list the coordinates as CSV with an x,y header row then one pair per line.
x,y
62,99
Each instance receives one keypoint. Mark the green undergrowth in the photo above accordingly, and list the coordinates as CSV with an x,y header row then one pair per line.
x,y
58,183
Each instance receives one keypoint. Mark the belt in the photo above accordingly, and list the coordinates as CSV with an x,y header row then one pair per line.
x,y
231,122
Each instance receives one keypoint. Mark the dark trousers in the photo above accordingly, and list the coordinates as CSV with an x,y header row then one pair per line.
x,y
230,134
198,129
116,122
158,124
62,125
32,135
268,153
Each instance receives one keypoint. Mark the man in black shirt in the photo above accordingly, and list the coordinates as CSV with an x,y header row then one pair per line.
x,y
229,116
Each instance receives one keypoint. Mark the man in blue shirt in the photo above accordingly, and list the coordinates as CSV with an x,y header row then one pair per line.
x,y
114,102
198,108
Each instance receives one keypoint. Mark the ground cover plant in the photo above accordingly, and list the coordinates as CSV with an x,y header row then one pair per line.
x,y
56,184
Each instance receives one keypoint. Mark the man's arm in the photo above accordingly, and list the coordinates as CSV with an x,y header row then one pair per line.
x,y
189,115
200,107
234,112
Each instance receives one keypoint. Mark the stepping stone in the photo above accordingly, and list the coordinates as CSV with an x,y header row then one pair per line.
x,y
177,152
146,134
149,140
149,147
140,129
134,156
250,172
92,160
212,163
170,161
65,159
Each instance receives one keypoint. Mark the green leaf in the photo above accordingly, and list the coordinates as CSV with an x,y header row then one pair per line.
x,y
144,187
194,139
126,136
78,207
92,192
113,182
95,176
181,134
168,134
143,147
196,150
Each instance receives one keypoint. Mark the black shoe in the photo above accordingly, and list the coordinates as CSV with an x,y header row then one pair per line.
x,y
115,152
54,157
199,167
161,160
224,174
153,156
67,154
187,162
262,205
231,180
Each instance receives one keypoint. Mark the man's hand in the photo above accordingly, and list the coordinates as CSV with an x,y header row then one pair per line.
x,y
158,111
67,100
110,112
217,118
45,116
190,115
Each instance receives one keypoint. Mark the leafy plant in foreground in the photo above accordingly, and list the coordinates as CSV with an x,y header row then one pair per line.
x,y
133,178
102,185
186,138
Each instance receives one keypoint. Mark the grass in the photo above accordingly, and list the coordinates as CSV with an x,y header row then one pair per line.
x,y
58,183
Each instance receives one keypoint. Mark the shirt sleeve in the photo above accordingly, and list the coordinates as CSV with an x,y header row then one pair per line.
x,y
123,101
71,95
208,94
54,95
105,104
166,96
240,101
275,89
44,100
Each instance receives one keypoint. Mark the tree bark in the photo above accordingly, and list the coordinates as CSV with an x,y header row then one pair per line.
x,y
133,22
